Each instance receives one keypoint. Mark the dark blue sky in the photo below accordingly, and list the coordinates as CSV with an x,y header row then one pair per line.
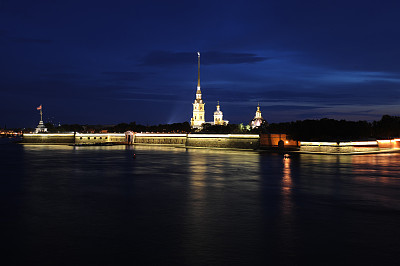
x,y
106,62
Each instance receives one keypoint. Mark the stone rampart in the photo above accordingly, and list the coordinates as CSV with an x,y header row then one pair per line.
x,y
339,147
71,138
43,138
99,138
160,139
227,141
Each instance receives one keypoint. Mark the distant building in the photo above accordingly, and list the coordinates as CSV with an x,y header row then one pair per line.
x,y
218,117
258,120
198,118
40,128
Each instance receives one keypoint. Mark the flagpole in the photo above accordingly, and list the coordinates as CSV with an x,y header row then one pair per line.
x,y
41,113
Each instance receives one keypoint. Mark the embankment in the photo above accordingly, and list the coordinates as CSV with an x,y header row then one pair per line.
x,y
220,141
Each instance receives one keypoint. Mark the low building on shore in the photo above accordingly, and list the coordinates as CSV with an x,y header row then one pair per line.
x,y
73,138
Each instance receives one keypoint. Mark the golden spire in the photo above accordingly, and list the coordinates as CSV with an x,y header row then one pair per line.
x,y
198,79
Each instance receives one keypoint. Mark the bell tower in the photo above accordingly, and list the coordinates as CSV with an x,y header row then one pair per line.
x,y
198,106
218,119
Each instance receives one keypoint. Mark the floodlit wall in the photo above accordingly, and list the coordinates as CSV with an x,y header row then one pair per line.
x,y
350,147
339,147
98,138
43,138
71,138
389,144
231,141
160,139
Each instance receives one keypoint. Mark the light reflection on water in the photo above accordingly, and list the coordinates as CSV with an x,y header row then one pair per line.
x,y
195,206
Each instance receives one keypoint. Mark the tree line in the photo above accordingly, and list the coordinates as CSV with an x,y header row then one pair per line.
x,y
122,127
339,130
305,130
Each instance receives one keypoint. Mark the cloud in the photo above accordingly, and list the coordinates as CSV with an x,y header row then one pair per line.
x,y
29,40
233,58
126,76
62,76
293,95
279,107
163,58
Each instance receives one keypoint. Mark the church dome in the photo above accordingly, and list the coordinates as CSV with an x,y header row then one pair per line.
x,y
258,120
218,111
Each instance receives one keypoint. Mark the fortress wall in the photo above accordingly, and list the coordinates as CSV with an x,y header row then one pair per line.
x,y
341,147
117,138
230,141
366,148
94,138
327,149
272,141
66,138
91,138
160,139
389,144
71,138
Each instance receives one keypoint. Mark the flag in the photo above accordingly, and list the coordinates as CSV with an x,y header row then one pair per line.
x,y
39,108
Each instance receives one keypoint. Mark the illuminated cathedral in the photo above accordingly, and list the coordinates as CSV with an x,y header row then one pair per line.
x,y
218,117
258,120
198,118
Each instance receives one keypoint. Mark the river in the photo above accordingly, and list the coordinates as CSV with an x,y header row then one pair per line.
x,y
153,205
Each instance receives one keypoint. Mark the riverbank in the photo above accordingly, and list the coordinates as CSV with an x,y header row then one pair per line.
x,y
211,141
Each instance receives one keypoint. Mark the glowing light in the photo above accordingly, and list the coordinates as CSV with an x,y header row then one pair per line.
x,y
384,141
222,136
352,143
364,143
49,134
159,135
100,134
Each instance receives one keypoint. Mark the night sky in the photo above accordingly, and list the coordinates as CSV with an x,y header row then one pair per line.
x,y
107,62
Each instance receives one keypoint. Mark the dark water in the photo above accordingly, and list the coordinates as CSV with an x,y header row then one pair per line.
x,y
63,205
